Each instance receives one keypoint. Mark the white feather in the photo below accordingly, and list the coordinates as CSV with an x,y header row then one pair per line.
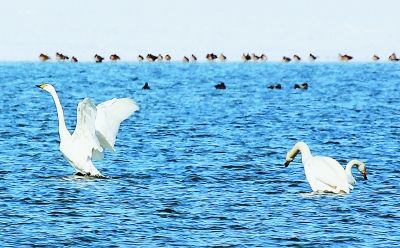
x,y
85,132
110,114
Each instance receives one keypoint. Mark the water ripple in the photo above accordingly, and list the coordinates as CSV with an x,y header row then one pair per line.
x,y
197,167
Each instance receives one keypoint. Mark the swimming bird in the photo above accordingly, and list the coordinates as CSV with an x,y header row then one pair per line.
x,y
114,57
345,57
275,87
211,56
264,57
74,60
286,59
220,86
185,59
61,57
151,57
246,57
312,57
98,58
303,86
58,56
375,57
393,57
254,57
160,57
96,130
43,57
324,174
296,57
146,86
360,167
222,57
140,57
194,58
167,57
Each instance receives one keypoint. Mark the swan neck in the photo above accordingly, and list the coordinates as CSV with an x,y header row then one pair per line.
x,y
62,128
304,149
350,166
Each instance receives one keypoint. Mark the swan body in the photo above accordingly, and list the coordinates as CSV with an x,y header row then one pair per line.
x,y
96,130
324,174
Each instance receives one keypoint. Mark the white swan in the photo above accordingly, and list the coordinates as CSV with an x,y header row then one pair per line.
x,y
360,167
95,131
324,174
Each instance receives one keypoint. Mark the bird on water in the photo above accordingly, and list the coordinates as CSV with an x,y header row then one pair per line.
x,y
325,174
96,130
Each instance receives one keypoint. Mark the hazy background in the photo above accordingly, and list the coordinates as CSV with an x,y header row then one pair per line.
x,y
181,27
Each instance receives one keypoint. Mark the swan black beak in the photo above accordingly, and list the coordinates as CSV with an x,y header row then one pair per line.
x,y
38,86
41,85
365,175
287,163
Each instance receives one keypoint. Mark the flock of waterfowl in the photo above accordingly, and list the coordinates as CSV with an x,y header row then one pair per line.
x,y
222,86
302,86
210,57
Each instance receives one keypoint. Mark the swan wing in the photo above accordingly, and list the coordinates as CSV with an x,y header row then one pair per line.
x,y
84,136
110,114
328,171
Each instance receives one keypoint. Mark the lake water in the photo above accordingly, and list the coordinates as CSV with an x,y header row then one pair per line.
x,y
200,167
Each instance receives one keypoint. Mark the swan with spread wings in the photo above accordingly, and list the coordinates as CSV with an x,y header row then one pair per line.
x,y
96,130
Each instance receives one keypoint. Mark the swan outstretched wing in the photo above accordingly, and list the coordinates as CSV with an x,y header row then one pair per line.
x,y
84,136
110,114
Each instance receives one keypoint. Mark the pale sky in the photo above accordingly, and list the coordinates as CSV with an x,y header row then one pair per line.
x,y
182,27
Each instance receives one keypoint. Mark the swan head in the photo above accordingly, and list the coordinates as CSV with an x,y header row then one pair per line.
x,y
298,147
363,171
360,167
288,161
290,156
47,87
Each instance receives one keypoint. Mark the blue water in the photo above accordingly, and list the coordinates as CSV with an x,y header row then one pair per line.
x,y
199,167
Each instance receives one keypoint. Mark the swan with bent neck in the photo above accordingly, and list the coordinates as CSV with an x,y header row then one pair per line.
x,y
96,130
325,174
